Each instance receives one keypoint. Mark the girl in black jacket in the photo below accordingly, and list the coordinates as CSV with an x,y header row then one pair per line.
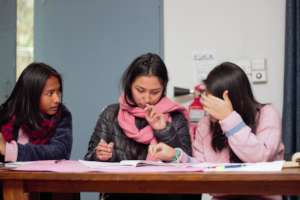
x,y
143,116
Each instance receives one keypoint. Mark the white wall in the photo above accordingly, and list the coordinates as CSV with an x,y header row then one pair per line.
x,y
242,29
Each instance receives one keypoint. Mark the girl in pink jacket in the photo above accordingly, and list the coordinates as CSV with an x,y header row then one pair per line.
x,y
236,128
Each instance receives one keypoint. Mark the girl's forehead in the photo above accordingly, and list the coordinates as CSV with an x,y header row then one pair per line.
x,y
147,80
52,82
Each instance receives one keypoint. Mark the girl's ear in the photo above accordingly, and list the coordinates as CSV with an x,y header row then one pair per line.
x,y
225,95
226,98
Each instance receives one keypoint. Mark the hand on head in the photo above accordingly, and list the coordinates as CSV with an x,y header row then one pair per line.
x,y
216,107
155,119
104,150
161,151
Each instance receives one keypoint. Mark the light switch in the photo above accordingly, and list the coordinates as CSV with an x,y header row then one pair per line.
x,y
259,76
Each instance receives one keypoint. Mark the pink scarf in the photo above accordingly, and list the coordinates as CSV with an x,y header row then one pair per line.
x,y
127,114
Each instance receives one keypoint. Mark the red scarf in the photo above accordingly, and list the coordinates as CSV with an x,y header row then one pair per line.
x,y
41,136
127,114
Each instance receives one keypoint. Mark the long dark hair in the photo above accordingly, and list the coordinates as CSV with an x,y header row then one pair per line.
x,y
229,76
24,101
146,64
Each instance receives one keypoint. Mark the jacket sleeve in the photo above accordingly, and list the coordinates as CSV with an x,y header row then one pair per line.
x,y
176,134
199,143
59,146
264,145
102,130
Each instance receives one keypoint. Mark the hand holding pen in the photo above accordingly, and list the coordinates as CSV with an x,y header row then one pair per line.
x,y
161,151
104,150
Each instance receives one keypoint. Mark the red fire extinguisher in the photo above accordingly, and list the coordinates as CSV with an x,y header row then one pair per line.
x,y
196,110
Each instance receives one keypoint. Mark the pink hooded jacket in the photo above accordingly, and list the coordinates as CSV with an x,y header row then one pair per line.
x,y
265,145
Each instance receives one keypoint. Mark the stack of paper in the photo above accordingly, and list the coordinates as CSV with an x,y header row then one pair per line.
x,y
142,166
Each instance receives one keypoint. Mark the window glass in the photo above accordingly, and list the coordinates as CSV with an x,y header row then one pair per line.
x,y
25,25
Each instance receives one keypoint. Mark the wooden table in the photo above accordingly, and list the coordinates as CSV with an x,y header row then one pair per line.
x,y
17,184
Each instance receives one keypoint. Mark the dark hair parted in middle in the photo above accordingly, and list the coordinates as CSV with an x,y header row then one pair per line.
x,y
24,101
149,64
229,76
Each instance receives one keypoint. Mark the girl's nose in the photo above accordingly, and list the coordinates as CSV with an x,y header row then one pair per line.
x,y
147,98
57,97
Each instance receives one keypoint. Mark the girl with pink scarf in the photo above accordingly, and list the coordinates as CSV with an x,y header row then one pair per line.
x,y
143,116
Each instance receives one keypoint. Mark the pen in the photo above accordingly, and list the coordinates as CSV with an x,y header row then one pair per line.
x,y
226,166
234,166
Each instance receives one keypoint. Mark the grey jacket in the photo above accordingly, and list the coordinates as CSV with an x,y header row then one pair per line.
x,y
176,134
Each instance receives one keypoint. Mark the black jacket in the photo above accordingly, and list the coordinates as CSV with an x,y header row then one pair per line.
x,y
176,134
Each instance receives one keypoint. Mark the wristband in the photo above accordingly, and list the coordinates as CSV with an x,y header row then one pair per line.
x,y
177,154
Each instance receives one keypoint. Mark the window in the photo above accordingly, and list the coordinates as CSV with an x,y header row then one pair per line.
x,y
25,13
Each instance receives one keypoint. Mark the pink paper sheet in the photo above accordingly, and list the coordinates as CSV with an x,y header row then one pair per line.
x,y
73,166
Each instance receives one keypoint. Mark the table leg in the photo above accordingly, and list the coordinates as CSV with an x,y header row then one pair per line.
x,y
14,190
